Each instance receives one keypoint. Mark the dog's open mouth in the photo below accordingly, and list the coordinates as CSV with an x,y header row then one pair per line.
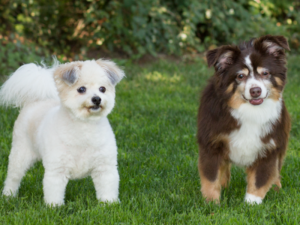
x,y
256,101
95,107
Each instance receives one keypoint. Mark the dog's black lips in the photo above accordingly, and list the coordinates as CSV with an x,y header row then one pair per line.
x,y
95,107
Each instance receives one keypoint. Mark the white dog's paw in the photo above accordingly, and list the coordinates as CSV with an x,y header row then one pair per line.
x,y
110,200
252,199
9,193
54,204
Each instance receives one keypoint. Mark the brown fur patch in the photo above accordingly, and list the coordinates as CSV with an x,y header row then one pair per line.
x,y
209,165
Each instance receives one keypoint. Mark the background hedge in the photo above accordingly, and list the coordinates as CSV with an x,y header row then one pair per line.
x,y
135,28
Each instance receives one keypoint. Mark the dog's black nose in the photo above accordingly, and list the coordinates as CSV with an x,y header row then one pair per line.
x,y
255,92
96,100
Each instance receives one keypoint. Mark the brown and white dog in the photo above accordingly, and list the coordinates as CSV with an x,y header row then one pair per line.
x,y
242,117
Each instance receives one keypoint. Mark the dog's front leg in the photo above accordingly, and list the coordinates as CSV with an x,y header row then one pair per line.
x,y
106,181
261,176
54,184
214,172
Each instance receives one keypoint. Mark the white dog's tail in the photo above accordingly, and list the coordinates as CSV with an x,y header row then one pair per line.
x,y
28,84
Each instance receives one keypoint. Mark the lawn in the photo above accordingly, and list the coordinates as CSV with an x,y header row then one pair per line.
x,y
155,125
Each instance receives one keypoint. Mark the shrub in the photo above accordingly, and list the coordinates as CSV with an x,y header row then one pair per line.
x,y
146,26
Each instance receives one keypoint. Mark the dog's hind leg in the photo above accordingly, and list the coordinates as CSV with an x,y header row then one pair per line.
x,y
21,158
106,181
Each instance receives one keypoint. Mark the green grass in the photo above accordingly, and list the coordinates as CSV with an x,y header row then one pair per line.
x,y
155,125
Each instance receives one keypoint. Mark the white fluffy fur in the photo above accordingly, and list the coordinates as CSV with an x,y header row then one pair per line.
x,y
256,122
249,65
28,85
71,139
252,199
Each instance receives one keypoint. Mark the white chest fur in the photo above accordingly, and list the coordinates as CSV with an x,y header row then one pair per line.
x,y
255,122
75,147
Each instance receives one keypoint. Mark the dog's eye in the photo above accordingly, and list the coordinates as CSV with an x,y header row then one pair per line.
x,y
265,73
241,76
81,90
102,89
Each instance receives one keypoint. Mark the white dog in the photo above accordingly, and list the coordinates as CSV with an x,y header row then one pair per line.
x,y
63,122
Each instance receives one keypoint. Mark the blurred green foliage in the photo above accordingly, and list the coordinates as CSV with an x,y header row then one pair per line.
x,y
136,28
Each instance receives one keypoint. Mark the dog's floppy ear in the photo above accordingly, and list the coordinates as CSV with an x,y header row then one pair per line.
x,y
274,45
222,57
69,73
115,74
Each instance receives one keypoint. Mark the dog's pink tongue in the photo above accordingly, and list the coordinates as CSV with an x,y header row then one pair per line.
x,y
256,101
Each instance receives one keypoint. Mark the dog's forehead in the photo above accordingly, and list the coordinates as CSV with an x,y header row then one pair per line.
x,y
91,68
242,65
252,60
91,72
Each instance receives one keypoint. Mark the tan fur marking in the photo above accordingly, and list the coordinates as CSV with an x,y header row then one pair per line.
x,y
220,138
244,71
225,174
227,54
229,89
267,43
262,191
210,190
278,81
236,100
275,94
278,185
277,181
261,69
